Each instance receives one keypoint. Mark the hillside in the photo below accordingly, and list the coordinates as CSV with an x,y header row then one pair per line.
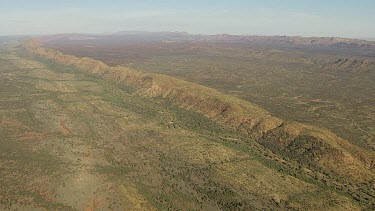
x,y
72,140
313,148
324,86
163,105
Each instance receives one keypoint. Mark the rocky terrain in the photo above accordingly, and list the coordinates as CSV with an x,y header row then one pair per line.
x,y
83,134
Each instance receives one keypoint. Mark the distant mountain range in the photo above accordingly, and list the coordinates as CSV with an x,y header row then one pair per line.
x,y
336,42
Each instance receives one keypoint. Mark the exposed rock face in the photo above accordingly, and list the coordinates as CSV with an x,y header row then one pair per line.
x,y
353,65
305,144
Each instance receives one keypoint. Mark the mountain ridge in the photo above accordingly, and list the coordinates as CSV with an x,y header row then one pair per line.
x,y
307,145
336,42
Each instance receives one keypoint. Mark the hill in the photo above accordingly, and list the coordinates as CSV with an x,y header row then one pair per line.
x,y
315,149
328,87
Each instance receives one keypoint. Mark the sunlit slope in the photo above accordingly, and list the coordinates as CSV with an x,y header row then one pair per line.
x,y
71,141
326,86
308,145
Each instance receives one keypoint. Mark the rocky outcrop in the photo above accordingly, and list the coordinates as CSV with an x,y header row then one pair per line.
x,y
308,145
353,65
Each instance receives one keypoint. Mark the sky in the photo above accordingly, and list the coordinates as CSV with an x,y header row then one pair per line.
x,y
339,18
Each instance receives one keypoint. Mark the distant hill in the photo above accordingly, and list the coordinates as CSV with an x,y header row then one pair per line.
x,y
332,45
298,40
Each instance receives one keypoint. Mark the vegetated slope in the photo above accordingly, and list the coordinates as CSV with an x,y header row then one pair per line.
x,y
329,87
73,141
313,147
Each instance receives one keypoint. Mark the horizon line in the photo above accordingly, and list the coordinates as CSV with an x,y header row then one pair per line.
x,y
176,31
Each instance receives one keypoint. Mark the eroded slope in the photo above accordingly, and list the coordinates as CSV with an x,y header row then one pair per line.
x,y
313,148
71,141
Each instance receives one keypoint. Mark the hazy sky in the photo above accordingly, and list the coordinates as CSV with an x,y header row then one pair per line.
x,y
344,18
